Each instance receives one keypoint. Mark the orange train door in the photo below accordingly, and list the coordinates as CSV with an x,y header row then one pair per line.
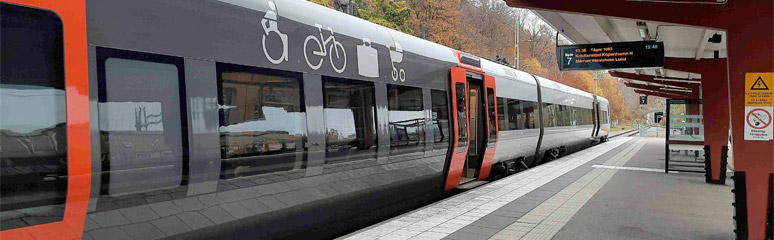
x,y
459,147
59,29
475,126
492,127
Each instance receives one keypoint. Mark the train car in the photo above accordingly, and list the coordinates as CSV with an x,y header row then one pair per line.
x,y
254,119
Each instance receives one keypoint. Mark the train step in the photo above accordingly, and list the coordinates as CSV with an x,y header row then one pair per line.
x,y
471,185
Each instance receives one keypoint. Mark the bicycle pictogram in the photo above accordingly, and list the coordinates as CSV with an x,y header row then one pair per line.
x,y
335,49
269,24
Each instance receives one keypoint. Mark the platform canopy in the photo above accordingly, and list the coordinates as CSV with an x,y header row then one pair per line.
x,y
680,42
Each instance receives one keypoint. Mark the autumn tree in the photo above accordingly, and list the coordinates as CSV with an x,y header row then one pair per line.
x,y
388,13
437,21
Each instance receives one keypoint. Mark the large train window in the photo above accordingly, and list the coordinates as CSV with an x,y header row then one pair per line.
x,y
440,118
350,120
490,98
33,128
407,119
462,116
262,120
141,121
502,116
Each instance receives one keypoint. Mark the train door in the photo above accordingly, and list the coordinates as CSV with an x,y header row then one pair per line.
x,y
475,127
594,118
597,119
46,166
459,147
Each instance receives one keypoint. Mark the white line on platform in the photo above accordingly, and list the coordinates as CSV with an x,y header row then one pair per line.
x,y
633,168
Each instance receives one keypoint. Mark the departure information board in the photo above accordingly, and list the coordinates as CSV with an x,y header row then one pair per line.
x,y
642,54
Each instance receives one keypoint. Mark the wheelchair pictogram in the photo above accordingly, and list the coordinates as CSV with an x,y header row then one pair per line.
x,y
269,24
336,49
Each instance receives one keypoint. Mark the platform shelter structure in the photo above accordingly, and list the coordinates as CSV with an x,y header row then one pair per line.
x,y
712,46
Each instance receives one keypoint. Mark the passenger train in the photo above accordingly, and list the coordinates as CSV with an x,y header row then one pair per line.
x,y
255,119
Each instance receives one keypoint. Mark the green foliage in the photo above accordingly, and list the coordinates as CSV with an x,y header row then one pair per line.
x,y
388,13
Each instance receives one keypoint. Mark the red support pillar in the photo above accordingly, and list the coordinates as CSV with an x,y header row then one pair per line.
x,y
714,87
750,30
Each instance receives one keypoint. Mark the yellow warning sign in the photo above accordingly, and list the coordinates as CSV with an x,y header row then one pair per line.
x,y
759,89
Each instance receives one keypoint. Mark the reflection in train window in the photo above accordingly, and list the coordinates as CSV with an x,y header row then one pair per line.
x,y
407,119
33,129
563,116
140,124
502,115
440,118
462,117
350,120
529,108
263,121
549,117
490,98
515,115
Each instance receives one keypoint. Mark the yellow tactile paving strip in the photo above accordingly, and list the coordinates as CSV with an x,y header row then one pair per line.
x,y
545,220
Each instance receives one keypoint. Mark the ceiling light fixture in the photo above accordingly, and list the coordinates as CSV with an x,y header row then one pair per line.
x,y
642,27
676,80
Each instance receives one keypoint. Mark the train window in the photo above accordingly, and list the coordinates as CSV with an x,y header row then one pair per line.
x,y
502,115
564,116
440,118
350,120
490,98
33,120
549,116
530,116
584,116
462,117
407,119
141,121
263,122
515,114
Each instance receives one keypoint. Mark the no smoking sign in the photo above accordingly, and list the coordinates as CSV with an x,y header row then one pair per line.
x,y
758,125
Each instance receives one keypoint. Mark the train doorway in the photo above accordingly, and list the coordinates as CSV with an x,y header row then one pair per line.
x,y
478,132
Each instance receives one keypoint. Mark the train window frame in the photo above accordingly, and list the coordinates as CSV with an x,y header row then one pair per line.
x,y
232,169
103,54
52,85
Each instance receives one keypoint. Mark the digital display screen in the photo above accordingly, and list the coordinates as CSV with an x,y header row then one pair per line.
x,y
641,54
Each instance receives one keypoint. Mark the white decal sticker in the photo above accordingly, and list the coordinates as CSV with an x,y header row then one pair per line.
x,y
396,56
269,23
367,60
335,50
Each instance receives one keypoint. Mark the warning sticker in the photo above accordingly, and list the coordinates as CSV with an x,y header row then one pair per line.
x,y
758,125
759,89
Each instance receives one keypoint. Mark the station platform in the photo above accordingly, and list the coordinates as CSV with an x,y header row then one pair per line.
x,y
615,190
